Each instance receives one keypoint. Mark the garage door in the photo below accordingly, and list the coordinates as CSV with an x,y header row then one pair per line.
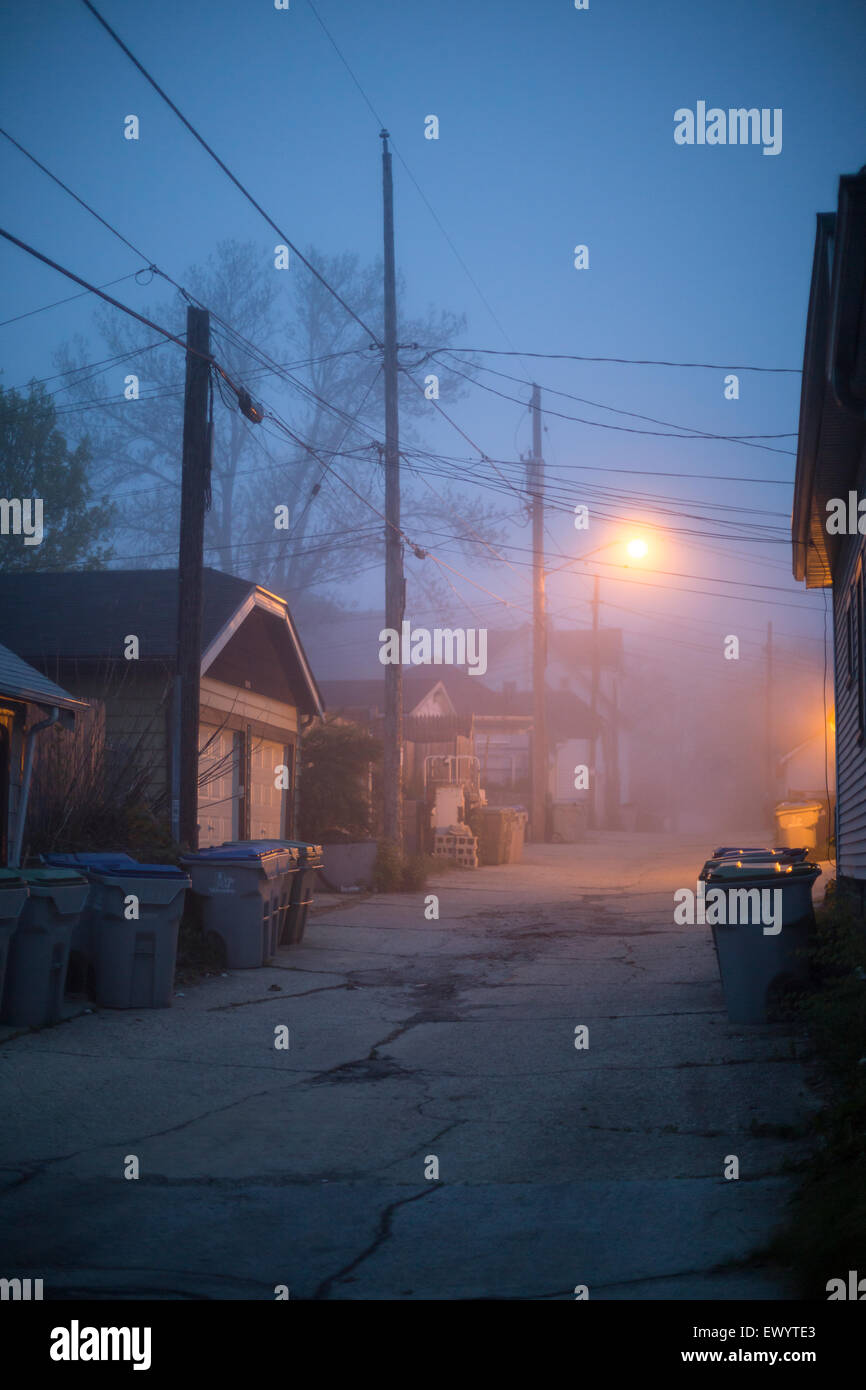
x,y
266,799
219,785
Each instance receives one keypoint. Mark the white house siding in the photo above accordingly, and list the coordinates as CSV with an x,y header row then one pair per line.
x,y
850,747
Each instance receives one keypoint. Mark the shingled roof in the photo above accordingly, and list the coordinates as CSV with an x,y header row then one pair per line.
x,y
20,681
88,614
49,618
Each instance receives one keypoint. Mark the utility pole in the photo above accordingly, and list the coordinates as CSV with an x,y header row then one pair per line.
x,y
768,728
593,705
394,582
195,487
535,479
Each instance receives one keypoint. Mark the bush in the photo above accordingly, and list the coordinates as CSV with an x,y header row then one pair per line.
x,y
826,1234
395,872
335,801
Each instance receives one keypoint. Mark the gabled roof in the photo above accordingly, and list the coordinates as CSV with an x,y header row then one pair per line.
x,y
18,681
833,391
86,616
568,716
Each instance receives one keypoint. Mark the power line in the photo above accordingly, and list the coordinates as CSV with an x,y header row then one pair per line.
x,y
227,171
68,300
622,429
629,361
552,391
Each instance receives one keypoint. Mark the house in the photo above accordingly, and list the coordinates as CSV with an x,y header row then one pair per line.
x,y
111,636
830,477
460,715
29,703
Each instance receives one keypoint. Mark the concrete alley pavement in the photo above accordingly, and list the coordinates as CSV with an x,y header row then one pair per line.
x,y
413,1040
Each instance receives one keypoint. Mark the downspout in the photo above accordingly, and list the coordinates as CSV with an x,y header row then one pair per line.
x,y
29,746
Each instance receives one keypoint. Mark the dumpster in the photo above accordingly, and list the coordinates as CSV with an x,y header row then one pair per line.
x,y
39,949
134,956
518,834
493,826
798,822
13,895
241,889
307,859
758,954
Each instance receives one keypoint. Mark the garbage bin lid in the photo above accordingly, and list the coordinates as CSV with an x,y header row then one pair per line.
x,y
244,853
135,870
304,847
289,847
90,858
11,878
725,851
50,878
775,869
784,806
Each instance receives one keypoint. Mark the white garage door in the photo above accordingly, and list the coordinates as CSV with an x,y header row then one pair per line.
x,y
219,785
266,799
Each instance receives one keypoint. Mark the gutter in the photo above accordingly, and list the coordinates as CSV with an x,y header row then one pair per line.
x,y
29,747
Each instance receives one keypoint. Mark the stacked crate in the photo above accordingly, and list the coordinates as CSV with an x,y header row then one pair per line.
x,y
457,844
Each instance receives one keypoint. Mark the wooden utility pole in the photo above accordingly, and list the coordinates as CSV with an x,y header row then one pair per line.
x,y
768,724
394,584
195,483
535,481
593,705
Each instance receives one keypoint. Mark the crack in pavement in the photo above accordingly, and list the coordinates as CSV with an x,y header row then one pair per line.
x,y
383,1234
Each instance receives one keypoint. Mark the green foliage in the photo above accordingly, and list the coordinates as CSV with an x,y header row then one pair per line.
x,y
394,872
334,791
826,1234
36,461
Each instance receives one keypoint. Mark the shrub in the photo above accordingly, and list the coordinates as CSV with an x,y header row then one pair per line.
x,y
394,872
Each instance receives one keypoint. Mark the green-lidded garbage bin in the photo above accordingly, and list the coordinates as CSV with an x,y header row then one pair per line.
x,y
241,889
13,895
760,940
135,911
39,949
305,860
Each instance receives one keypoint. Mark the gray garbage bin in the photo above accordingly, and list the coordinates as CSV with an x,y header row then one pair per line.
x,y
13,895
134,957
81,957
754,957
305,859
39,949
241,890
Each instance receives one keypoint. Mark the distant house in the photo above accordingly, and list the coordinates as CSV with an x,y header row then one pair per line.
x,y
110,636
459,714
29,703
831,471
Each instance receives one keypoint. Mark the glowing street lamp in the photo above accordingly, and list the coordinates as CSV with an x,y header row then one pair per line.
x,y
637,549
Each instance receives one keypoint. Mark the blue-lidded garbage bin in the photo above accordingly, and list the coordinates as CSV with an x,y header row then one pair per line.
x,y
13,896
241,891
81,958
757,956
39,948
135,912
307,860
